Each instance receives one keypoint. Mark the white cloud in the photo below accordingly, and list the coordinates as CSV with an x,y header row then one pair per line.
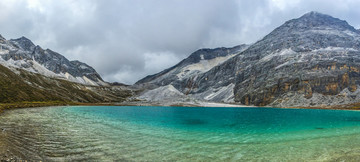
x,y
284,4
155,62
125,40
36,5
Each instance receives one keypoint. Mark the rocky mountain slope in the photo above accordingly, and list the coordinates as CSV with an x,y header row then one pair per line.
x,y
313,60
197,63
29,73
190,68
27,86
21,53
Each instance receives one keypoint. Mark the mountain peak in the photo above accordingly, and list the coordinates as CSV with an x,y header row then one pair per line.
x,y
311,21
314,14
317,16
24,43
23,38
318,20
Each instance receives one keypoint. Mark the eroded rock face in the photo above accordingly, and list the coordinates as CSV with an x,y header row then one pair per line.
x,y
183,75
315,53
314,59
327,78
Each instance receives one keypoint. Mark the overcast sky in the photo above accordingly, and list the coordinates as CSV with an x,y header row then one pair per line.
x,y
125,40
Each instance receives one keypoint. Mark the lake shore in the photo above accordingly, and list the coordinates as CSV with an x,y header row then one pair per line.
x,y
28,129
354,106
7,106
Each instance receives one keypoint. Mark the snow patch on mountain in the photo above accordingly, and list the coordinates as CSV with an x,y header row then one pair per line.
x,y
202,66
329,32
163,93
220,94
83,67
3,52
334,49
283,52
169,93
351,33
34,67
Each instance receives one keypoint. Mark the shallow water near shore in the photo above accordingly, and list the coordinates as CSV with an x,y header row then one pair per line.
x,y
106,133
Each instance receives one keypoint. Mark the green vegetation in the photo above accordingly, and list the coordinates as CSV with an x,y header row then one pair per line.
x,y
26,104
14,89
26,89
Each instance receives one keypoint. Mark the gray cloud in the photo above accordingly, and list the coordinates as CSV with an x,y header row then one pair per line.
x,y
125,40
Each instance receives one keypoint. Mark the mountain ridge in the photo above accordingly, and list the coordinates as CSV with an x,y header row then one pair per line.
x,y
311,59
195,57
199,62
24,54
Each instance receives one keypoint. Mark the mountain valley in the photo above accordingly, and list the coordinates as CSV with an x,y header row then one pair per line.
x,y
310,61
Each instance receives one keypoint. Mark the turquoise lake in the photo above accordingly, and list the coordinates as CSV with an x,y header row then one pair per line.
x,y
131,133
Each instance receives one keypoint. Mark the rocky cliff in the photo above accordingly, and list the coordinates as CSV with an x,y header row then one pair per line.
x,y
313,60
182,74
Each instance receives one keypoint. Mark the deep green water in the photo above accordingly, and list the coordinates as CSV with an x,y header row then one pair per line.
x,y
181,133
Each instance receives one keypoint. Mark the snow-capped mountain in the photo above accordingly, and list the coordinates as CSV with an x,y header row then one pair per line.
x,y
21,53
313,60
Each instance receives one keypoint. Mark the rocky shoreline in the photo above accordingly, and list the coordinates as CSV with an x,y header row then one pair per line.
x,y
5,153
10,106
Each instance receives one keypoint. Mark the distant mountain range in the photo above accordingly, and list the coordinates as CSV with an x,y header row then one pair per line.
x,y
31,73
21,53
313,60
